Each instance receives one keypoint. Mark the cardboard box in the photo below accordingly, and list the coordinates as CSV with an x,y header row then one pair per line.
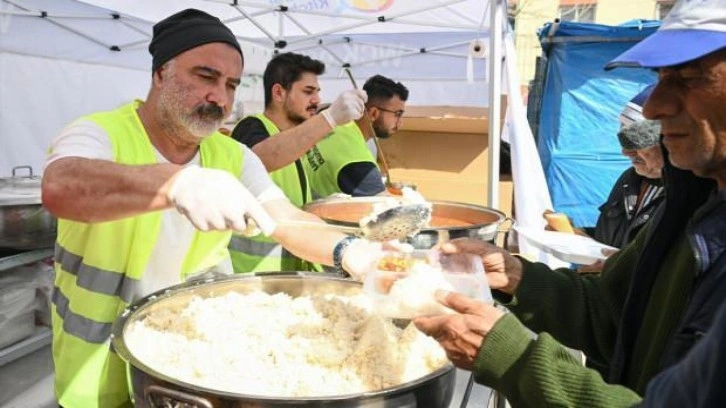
x,y
444,152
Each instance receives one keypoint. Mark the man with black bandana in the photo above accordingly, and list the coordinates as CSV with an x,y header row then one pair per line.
x,y
280,136
147,196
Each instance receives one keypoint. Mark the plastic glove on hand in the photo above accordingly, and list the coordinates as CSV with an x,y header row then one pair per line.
x,y
396,245
348,106
361,254
215,200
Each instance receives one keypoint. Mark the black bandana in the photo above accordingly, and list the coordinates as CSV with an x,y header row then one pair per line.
x,y
185,30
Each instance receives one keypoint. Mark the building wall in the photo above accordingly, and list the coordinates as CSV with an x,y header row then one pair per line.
x,y
614,12
531,15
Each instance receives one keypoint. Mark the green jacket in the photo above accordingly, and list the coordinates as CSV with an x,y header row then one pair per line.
x,y
582,312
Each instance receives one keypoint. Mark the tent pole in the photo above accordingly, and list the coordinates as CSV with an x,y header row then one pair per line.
x,y
495,108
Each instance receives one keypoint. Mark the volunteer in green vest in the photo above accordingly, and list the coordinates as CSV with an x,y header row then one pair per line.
x,y
280,136
342,162
147,196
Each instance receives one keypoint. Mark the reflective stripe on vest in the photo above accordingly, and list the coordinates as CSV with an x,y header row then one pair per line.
x,y
99,266
77,325
263,254
96,279
323,163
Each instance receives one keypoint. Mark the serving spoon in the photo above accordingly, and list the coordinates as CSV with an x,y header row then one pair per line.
x,y
397,222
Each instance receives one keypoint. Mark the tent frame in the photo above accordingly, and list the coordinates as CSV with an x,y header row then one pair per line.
x,y
279,41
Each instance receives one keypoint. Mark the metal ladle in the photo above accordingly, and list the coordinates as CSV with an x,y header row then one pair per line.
x,y
394,223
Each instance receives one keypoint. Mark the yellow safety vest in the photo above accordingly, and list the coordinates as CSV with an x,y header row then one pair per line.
x,y
99,266
264,254
345,145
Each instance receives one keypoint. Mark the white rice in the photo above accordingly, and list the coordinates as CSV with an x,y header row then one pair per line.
x,y
275,345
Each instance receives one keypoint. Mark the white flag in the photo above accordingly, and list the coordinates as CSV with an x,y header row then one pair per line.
x,y
531,196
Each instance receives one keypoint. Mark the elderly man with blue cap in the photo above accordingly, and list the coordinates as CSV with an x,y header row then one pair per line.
x,y
643,316
148,195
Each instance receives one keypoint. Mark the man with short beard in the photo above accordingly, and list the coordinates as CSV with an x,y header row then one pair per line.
x,y
342,162
280,136
147,196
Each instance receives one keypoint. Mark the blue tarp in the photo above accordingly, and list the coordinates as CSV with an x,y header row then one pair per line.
x,y
581,102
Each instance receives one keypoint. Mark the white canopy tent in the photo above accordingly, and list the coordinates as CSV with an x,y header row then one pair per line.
x,y
60,59
425,44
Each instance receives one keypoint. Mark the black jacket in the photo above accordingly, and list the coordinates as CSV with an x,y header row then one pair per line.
x,y
696,381
691,206
618,224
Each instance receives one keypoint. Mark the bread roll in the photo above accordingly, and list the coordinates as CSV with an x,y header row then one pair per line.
x,y
559,222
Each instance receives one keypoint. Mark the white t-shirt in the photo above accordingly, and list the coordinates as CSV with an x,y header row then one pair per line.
x,y
86,139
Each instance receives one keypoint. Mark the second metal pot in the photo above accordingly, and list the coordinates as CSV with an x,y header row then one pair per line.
x,y
450,220
24,223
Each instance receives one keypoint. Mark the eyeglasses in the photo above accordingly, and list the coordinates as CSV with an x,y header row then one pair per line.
x,y
398,113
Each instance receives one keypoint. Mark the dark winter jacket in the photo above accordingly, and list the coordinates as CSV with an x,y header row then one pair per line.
x,y
618,222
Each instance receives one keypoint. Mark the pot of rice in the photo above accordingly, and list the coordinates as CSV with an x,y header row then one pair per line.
x,y
273,340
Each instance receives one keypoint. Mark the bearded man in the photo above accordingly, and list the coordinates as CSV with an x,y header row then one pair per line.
x,y
147,196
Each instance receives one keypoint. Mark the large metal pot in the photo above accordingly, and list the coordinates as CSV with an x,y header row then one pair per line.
x,y
449,220
24,223
154,389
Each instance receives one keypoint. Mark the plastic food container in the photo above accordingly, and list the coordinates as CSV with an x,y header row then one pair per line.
x,y
403,285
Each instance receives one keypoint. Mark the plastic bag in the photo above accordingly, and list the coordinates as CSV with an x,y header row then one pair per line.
x,y
403,286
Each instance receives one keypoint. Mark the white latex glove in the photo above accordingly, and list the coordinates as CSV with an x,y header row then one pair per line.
x,y
361,254
348,106
215,200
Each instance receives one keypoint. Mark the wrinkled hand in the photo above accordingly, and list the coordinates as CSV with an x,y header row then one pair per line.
x,y
461,335
215,200
348,106
504,271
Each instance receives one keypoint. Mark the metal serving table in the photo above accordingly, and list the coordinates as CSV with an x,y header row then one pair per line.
x,y
42,335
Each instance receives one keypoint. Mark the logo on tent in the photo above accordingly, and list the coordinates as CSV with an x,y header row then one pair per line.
x,y
5,17
368,6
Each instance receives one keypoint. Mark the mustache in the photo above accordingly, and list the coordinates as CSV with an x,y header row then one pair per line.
x,y
314,107
210,111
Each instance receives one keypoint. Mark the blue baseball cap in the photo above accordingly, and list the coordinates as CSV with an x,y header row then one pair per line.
x,y
633,110
692,29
